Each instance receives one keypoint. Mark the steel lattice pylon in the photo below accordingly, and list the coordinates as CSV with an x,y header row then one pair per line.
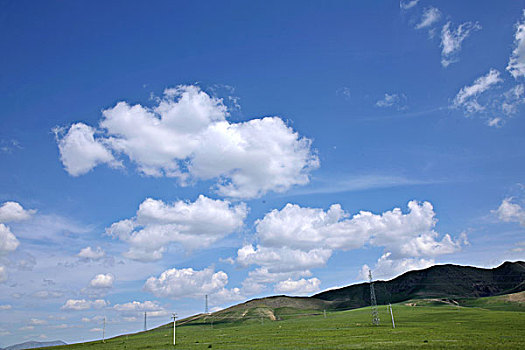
x,y
373,301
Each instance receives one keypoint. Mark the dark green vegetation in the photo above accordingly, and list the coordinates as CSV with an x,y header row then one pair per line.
x,y
442,306
436,324
440,281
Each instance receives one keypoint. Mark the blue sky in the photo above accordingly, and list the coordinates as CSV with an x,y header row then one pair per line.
x,y
155,153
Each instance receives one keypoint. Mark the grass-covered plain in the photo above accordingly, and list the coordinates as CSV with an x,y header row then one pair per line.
x,y
434,325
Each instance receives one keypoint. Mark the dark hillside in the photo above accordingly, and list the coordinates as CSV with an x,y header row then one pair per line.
x,y
440,281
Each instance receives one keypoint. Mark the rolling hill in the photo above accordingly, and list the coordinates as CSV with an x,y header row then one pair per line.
x,y
34,345
439,281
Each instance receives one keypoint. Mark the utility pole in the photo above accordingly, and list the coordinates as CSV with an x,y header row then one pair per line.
x,y
145,325
373,301
104,331
174,316
392,314
206,305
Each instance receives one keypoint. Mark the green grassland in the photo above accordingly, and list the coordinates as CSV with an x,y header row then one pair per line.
x,y
419,324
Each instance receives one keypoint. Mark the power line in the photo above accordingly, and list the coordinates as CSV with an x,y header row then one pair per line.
x,y
174,316
392,314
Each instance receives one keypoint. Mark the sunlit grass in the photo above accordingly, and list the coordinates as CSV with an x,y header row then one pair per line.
x,y
435,326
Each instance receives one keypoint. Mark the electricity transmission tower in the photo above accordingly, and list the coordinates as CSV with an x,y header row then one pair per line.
x,y
373,301
104,331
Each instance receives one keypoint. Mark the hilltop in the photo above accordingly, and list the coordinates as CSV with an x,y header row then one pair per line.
x,y
451,283
439,281
34,345
441,306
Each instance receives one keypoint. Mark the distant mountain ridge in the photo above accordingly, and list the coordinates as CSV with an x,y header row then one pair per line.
x,y
438,281
34,345
451,282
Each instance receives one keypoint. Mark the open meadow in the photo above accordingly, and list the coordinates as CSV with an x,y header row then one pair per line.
x,y
426,324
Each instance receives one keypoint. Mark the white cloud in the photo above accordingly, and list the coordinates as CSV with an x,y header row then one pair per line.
x,y
259,278
506,105
51,228
8,241
186,135
97,318
407,4
510,212
345,92
79,151
512,99
194,225
451,40
466,97
282,259
519,247
37,322
83,304
61,326
13,211
138,306
45,294
95,330
430,16
3,274
393,100
386,267
90,253
495,122
152,308
226,295
102,281
301,286
294,240
496,107
308,228
516,65
6,307
187,283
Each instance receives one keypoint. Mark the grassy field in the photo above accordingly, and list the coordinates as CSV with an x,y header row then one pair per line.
x,y
434,325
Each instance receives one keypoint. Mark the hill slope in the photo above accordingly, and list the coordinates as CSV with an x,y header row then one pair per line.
x,y
450,282
34,345
430,327
440,281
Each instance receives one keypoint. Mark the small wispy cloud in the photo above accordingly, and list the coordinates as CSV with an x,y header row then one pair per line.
x,y
345,92
407,4
9,146
452,39
430,16
466,97
393,100
516,65
481,98
358,183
